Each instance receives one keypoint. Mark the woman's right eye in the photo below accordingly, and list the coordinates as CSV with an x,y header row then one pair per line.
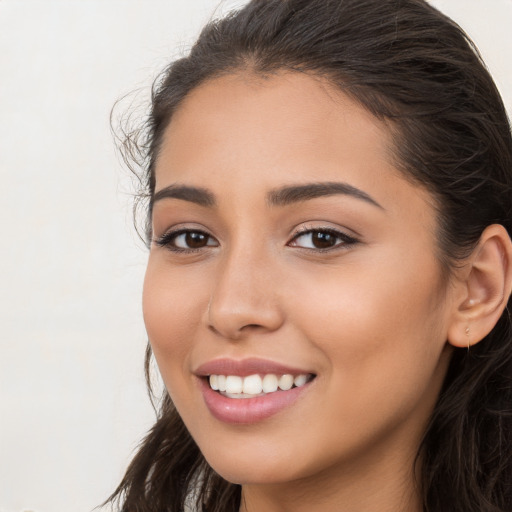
x,y
186,240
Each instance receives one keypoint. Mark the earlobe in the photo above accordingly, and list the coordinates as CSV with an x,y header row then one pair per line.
x,y
487,285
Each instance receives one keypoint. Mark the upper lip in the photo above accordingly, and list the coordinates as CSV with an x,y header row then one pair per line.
x,y
245,367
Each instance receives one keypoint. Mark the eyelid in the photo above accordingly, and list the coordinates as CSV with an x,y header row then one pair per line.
x,y
165,240
346,239
168,238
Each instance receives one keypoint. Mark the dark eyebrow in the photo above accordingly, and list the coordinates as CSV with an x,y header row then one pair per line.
x,y
197,195
296,193
278,197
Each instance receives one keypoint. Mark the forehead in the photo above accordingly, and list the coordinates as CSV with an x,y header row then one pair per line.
x,y
286,117
241,134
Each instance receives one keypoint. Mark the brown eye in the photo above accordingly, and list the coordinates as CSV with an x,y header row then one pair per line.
x,y
195,239
186,240
322,239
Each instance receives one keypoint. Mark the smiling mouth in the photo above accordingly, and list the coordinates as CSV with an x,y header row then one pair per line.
x,y
252,386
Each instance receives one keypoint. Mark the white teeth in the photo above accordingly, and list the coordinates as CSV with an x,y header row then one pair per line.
x,y
214,382
269,383
221,382
286,382
300,380
235,386
253,385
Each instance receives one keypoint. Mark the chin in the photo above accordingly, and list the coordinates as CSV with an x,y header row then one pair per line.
x,y
261,465
253,474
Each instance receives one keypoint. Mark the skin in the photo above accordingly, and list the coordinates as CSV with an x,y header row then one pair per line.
x,y
370,319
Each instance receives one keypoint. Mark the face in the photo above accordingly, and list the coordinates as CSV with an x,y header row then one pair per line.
x,y
285,243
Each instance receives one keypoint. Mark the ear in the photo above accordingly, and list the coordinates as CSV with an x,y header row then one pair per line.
x,y
485,287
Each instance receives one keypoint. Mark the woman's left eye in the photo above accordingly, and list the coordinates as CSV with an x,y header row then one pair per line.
x,y
322,239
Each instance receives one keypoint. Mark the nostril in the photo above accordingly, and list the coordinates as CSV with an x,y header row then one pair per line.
x,y
234,333
234,316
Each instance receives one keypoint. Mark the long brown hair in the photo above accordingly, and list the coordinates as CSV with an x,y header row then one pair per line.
x,y
409,64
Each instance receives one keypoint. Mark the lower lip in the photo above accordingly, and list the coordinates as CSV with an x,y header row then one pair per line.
x,y
248,410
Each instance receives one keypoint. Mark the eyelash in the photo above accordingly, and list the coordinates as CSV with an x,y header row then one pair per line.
x,y
344,241
168,240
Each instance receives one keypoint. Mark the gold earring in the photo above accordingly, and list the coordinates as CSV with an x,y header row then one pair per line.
x,y
467,334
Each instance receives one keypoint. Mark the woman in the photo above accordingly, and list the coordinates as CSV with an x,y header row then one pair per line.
x,y
329,186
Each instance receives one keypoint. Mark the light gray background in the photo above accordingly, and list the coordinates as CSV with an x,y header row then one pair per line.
x,y
72,400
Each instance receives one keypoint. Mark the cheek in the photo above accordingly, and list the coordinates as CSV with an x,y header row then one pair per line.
x,y
382,354
380,328
172,308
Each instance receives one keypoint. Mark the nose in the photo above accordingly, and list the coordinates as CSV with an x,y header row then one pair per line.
x,y
244,298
